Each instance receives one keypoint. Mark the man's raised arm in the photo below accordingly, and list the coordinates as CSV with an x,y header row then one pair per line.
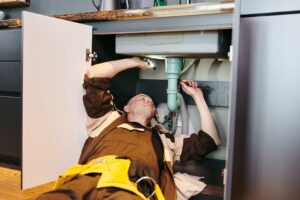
x,y
206,121
111,68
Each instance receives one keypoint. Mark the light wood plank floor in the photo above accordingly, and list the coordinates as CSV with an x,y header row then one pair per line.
x,y
10,185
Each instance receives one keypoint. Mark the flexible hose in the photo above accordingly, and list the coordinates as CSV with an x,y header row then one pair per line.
x,y
174,117
186,68
184,116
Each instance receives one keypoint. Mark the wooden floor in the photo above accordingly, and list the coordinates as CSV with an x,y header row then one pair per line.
x,y
10,185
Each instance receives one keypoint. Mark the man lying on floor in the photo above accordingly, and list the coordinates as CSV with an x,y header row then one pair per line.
x,y
125,159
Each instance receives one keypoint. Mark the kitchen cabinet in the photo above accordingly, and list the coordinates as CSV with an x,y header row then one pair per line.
x,y
47,126
267,116
57,127
262,164
10,128
10,95
10,43
10,78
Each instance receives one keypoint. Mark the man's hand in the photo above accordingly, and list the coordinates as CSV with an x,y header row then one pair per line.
x,y
190,87
111,68
140,63
137,170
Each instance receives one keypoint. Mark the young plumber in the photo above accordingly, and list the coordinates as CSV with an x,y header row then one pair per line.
x,y
125,159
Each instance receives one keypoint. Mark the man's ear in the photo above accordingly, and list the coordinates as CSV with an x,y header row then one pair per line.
x,y
126,108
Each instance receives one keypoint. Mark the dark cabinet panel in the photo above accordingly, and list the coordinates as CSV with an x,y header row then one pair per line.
x,y
10,77
10,45
267,135
10,126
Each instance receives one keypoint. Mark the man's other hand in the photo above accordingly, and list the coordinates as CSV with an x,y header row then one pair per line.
x,y
191,88
138,170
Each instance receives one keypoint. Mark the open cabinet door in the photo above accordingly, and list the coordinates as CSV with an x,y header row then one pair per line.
x,y
54,63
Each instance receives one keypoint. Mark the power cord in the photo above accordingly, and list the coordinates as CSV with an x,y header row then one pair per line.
x,y
97,7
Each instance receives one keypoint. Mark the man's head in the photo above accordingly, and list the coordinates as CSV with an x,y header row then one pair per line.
x,y
140,107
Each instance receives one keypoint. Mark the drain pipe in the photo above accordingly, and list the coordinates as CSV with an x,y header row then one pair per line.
x,y
173,70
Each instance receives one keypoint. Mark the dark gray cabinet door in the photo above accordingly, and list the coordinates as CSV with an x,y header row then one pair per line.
x,y
267,161
10,77
10,126
10,45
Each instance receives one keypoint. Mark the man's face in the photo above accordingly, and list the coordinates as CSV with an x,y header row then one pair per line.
x,y
142,105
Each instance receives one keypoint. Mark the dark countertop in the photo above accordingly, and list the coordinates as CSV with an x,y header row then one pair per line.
x,y
130,14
